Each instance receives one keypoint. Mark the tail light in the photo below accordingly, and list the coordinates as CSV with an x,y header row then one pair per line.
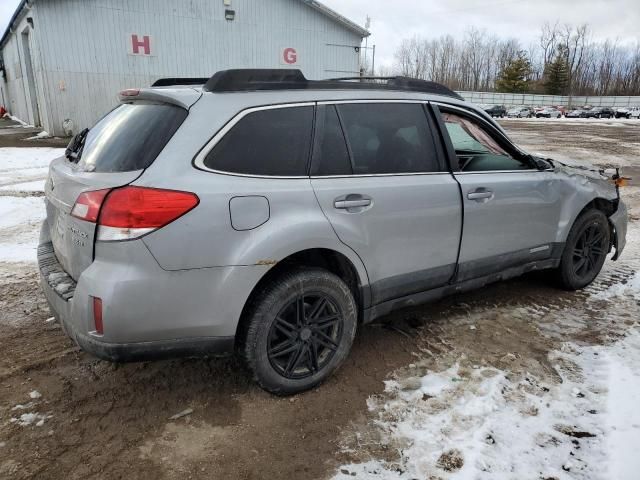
x,y
130,212
87,206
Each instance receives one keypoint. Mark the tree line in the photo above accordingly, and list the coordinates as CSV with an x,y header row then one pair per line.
x,y
564,60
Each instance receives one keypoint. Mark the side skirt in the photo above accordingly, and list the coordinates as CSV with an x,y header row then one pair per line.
x,y
420,298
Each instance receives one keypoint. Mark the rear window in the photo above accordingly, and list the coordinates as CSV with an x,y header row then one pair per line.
x,y
274,142
130,137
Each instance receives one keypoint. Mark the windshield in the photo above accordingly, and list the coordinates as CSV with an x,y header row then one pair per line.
x,y
129,138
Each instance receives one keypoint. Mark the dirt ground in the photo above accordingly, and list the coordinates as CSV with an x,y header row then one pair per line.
x,y
105,421
13,134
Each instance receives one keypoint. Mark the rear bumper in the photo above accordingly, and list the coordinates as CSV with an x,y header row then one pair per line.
x,y
51,277
619,222
148,313
136,352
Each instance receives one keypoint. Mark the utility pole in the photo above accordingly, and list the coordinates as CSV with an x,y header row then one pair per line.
x,y
373,62
367,25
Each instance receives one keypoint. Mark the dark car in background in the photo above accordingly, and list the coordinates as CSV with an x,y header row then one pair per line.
x,y
622,112
600,112
496,110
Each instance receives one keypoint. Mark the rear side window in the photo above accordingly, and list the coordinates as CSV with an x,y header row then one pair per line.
x,y
389,138
273,142
130,137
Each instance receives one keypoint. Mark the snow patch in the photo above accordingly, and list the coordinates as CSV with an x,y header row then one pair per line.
x,y
27,419
35,394
585,427
34,186
20,219
16,119
625,288
39,136
16,158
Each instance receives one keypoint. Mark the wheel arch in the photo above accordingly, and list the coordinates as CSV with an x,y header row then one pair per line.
x,y
352,273
605,205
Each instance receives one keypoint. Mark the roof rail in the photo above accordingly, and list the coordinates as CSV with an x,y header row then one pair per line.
x,y
245,80
169,82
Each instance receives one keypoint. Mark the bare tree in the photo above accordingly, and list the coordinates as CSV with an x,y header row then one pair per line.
x,y
475,61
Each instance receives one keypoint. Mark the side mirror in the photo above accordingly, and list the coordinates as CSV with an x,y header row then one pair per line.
x,y
541,164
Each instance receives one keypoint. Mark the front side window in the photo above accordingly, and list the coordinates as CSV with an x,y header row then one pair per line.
x,y
388,138
274,142
476,149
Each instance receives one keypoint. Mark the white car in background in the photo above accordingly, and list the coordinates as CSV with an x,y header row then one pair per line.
x,y
634,112
520,112
549,112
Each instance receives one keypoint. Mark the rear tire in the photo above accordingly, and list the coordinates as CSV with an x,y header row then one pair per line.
x,y
585,250
299,330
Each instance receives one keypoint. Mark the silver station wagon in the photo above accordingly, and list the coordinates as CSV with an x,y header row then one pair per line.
x,y
262,213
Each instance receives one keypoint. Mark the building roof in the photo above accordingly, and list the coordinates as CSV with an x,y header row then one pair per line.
x,y
335,16
363,32
16,14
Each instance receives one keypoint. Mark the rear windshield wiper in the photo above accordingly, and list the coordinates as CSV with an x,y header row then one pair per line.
x,y
75,146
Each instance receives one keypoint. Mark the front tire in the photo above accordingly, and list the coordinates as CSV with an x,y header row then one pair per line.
x,y
299,330
585,251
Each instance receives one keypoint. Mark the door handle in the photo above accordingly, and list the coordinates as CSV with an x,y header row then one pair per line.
x,y
345,204
480,194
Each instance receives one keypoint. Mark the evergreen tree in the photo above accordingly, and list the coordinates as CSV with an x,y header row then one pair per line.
x,y
514,78
557,75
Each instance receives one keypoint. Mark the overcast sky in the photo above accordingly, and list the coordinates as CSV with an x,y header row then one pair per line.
x,y
391,21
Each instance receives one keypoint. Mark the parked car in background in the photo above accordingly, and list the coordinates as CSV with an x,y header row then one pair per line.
x,y
622,112
520,112
549,112
270,215
599,112
496,110
634,112
575,113
561,108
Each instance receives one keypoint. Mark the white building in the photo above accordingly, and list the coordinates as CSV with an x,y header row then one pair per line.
x,y
64,61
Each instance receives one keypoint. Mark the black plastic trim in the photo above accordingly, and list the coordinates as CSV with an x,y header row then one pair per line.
x,y
247,80
410,283
160,350
419,298
175,81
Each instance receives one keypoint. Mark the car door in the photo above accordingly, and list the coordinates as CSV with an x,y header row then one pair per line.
x,y
511,209
380,180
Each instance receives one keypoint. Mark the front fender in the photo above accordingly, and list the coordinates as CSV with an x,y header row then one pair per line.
x,y
619,222
578,188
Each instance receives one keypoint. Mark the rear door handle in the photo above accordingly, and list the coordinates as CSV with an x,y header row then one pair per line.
x,y
480,194
344,204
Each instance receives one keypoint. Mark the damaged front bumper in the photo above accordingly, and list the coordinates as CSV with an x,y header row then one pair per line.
x,y
619,222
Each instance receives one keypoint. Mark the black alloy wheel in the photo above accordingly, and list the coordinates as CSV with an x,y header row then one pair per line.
x,y
298,329
585,251
589,250
305,335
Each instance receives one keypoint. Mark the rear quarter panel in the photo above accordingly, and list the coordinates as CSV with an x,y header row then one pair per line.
x,y
204,237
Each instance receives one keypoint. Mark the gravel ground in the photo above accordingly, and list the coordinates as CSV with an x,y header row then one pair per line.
x,y
77,417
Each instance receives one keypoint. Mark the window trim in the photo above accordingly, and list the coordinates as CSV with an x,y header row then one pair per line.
x,y
492,129
198,161
443,164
